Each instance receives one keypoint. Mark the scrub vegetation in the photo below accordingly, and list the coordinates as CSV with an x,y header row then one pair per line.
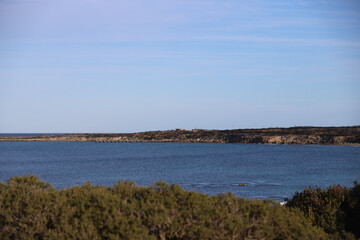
x,y
335,209
32,209
293,135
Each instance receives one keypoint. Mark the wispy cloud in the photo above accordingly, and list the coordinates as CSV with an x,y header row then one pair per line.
x,y
173,53
169,21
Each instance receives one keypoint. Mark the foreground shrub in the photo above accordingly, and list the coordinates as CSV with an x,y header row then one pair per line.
x,y
349,211
335,209
31,209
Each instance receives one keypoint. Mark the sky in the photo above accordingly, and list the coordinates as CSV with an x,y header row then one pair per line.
x,y
77,66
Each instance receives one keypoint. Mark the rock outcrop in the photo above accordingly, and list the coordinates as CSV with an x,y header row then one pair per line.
x,y
294,135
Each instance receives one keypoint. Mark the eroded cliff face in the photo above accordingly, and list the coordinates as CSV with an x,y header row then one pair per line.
x,y
296,135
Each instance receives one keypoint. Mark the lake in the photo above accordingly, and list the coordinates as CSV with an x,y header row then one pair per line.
x,y
268,171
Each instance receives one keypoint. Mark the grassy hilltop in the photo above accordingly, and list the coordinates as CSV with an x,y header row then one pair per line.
x,y
32,209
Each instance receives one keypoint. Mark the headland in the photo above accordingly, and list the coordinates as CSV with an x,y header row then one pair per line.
x,y
292,135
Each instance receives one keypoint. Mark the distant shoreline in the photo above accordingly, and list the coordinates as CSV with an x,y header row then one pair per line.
x,y
293,135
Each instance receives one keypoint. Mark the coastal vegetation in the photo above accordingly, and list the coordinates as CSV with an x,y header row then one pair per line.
x,y
293,135
32,209
335,209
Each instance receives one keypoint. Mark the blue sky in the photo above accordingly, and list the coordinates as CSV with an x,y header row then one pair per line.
x,y
128,66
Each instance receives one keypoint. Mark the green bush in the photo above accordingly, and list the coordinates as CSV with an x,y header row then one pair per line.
x,y
349,211
335,209
31,209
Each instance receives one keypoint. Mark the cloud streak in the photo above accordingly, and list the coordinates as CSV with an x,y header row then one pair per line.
x,y
169,55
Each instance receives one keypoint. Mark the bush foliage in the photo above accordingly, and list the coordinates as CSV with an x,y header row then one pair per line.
x,y
335,209
32,209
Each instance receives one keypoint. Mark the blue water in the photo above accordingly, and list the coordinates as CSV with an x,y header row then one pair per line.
x,y
268,171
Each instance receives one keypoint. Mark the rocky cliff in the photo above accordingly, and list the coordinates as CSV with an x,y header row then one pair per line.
x,y
294,135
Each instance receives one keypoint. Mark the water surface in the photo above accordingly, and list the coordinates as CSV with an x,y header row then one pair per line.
x,y
268,171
